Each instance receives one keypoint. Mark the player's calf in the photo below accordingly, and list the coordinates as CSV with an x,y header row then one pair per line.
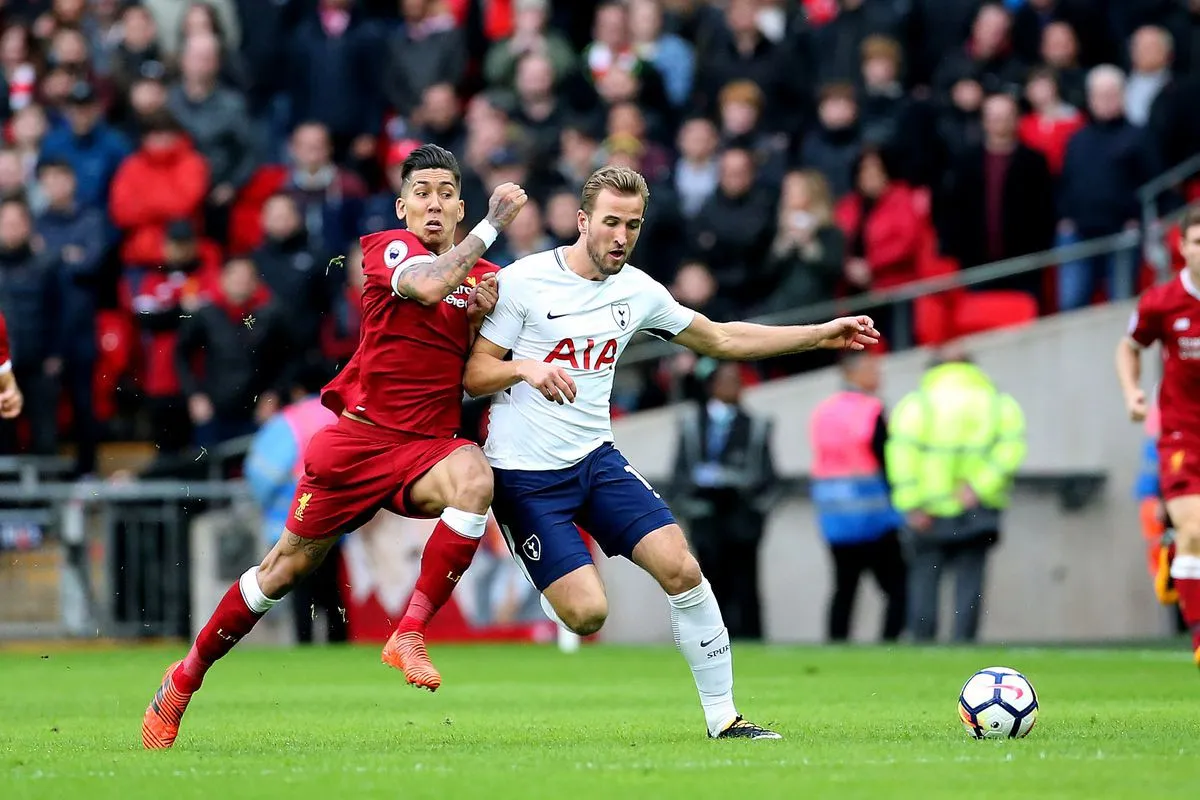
x,y
1185,566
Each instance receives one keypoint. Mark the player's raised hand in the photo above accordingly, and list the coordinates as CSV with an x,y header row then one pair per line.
x,y
849,333
507,201
483,298
1135,402
553,383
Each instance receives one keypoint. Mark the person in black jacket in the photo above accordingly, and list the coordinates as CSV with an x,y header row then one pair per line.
x,y
231,358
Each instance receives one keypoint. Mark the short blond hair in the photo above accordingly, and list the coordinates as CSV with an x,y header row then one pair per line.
x,y
618,180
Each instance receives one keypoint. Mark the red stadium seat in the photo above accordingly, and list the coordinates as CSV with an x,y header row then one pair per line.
x,y
975,312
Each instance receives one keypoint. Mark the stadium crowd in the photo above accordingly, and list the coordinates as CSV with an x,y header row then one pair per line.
x,y
182,184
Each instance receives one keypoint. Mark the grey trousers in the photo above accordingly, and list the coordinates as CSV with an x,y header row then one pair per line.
x,y
930,558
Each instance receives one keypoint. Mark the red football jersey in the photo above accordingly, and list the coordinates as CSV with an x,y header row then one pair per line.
x,y
1170,313
5,354
407,371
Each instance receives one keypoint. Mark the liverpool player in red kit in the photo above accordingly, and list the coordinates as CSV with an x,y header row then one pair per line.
x,y
394,445
1170,314
10,394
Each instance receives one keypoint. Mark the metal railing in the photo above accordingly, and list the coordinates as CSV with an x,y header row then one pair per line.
x,y
1153,222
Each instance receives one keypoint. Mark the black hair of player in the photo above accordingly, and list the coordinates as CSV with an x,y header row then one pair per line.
x,y
430,156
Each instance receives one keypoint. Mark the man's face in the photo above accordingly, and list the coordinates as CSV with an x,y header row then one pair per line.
x,y
612,27
1106,99
535,78
1000,117
179,251
612,230
1060,48
310,148
1190,248
698,140
526,228
239,280
201,58
440,107
15,228
727,384
737,173
58,185
281,220
879,72
837,112
430,205
82,116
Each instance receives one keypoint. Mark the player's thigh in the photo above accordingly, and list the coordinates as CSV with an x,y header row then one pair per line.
x,y
347,478
446,473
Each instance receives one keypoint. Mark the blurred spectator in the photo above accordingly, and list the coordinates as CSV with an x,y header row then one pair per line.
x,y
29,129
103,29
1085,19
330,198
1060,52
339,338
987,57
524,236
29,300
201,20
726,479
218,123
808,257
147,99
173,21
959,126
69,55
882,225
837,45
165,180
262,53
850,493
1000,200
1106,162
77,237
832,147
161,299
137,50
1051,123
579,148
668,53
562,218
334,61
741,108
530,36
1150,53
379,210
14,185
890,117
539,110
626,119
696,171
300,279
238,341
695,287
938,28
89,145
439,119
428,49
733,231
18,68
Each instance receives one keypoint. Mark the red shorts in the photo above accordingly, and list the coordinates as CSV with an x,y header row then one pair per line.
x,y
1178,467
352,470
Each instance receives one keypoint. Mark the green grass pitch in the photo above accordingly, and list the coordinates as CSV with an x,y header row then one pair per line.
x,y
607,722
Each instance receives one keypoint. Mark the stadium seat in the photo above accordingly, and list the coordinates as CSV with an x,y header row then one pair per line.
x,y
975,312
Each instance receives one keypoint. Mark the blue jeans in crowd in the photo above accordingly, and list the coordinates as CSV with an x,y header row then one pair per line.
x,y
1078,280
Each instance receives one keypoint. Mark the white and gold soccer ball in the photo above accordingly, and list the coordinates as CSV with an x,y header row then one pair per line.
x,y
998,703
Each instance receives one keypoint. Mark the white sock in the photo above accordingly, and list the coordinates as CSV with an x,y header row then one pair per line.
x,y
1185,567
549,610
465,523
253,594
701,637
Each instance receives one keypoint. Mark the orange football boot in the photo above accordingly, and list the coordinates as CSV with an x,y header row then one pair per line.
x,y
406,652
160,724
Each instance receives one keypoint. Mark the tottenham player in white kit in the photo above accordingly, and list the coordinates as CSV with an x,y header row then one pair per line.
x,y
565,316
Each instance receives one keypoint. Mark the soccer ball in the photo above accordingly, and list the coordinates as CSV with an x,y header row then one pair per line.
x,y
998,703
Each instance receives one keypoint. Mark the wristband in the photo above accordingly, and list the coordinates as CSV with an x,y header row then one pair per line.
x,y
486,232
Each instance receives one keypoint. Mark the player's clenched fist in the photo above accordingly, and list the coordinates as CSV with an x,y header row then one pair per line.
x,y
553,382
1135,402
483,298
507,201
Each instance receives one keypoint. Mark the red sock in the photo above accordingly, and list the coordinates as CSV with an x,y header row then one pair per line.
x,y
446,557
232,620
1189,606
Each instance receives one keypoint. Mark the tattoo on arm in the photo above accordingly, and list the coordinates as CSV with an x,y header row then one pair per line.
x,y
442,275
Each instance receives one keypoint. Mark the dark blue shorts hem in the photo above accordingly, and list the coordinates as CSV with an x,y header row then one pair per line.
x,y
637,530
565,566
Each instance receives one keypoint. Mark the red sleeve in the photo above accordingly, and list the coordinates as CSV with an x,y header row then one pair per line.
x,y
5,355
387,255
1145,325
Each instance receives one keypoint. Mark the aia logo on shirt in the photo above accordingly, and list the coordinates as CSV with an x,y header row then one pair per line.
x,y
581,357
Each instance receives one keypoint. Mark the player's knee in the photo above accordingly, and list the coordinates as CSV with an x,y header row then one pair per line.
x,y
682,575
587,617
472,482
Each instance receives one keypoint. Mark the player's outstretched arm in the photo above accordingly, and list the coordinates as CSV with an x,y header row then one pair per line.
x,y
747,341
434,281
1129,374
488,372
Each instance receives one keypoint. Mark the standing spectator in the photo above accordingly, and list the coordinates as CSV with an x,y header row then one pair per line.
x,y
832,147
1106,163
695,287
954,445
379,210
562,216
29,129
218,123
1060,52
17,68
668,53
1150,53
530,36
987,56
808,256
89,145
1000,202
29,301
147,99
733,231
330,198
165,180
882,224
837,45
439,119
740,109
334,61
524,236
1051,123
171,14
890,117
1084,18
240,339
78,238
201,21
850,491
429,48
959,125
539,109
696,172
724,471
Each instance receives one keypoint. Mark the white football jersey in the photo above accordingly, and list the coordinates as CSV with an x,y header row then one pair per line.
x,y
548,313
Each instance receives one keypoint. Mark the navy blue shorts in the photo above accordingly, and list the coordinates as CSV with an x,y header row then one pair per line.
x,y
539,509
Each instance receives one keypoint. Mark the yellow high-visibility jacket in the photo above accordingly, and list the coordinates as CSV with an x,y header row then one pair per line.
x,y
956,429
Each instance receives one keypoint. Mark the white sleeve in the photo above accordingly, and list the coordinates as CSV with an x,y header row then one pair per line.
x,y
503,325
6,367
667,318
396,258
